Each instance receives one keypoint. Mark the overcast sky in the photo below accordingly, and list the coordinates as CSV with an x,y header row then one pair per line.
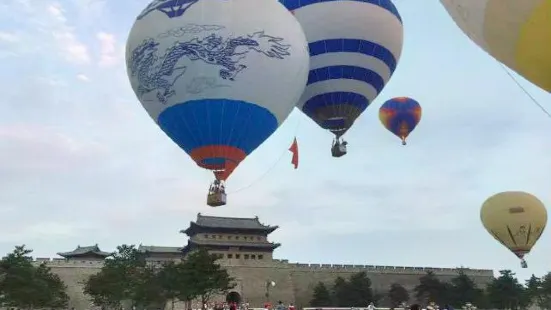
x,y
82,163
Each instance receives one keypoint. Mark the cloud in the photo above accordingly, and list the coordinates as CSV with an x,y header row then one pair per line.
x,y
74,50
83,77
35,148
44,28
108,50
8,37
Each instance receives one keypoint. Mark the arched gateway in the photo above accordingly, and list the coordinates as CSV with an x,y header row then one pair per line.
x,y
233,296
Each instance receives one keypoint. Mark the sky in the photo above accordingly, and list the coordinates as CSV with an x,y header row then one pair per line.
x,y
82,163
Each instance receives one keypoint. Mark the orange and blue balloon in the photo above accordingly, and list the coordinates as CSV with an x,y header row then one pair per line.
x,y
400,116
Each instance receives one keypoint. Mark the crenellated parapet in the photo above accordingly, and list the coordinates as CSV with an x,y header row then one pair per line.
x,y
283,263
61,262
391,269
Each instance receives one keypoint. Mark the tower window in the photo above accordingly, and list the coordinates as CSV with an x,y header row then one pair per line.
x,y
253,256
261,256
230,255
237,255
246,256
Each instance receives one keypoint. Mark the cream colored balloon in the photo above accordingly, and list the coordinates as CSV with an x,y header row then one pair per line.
x,y
515,32
515,219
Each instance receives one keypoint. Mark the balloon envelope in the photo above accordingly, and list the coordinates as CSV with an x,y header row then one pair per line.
x,y
515,219
217,79
515,32
400,116
354,49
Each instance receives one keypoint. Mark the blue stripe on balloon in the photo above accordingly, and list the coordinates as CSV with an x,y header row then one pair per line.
x,y
347,72
333,124
385,4
235,123
365,47
338,100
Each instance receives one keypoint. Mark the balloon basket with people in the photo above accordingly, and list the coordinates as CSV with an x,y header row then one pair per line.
x,y
217,194
338,149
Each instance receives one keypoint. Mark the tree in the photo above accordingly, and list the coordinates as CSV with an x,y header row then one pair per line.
x,y
397,294
175,281
341,293
206,275
541,291
360,292
505,292
462,290
23,285
54,295
533,289
321,297
148,291
119,279
431,289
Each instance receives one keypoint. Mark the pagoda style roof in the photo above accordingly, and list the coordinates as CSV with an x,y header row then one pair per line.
x,y
160,249
216,223
83,251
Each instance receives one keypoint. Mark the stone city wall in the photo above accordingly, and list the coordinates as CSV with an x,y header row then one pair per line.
x,y
294,282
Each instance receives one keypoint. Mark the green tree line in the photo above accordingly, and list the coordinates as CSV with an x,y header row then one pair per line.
x,y
126,280
503,292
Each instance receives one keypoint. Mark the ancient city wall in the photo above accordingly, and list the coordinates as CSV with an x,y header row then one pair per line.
x,y
306,276
294,282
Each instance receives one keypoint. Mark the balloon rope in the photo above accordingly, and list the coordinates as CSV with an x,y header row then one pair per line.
x,y
534,100
262,176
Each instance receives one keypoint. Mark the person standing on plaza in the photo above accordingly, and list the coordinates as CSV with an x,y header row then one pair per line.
x,y
280,306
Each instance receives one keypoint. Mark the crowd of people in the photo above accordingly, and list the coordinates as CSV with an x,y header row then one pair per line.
x,y
281,306
245,306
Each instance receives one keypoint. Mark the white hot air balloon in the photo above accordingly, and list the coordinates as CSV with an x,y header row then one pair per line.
x,y
355,46
218,77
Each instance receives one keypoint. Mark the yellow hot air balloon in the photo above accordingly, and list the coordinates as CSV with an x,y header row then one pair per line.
x,y
515,219
515,32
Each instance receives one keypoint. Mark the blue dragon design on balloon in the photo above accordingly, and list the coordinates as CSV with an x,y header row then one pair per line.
x,y
172,8
159,70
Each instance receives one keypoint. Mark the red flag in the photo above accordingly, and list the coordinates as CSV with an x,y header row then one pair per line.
x,y
294,150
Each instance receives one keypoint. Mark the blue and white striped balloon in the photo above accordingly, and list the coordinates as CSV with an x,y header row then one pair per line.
x,y
354,48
